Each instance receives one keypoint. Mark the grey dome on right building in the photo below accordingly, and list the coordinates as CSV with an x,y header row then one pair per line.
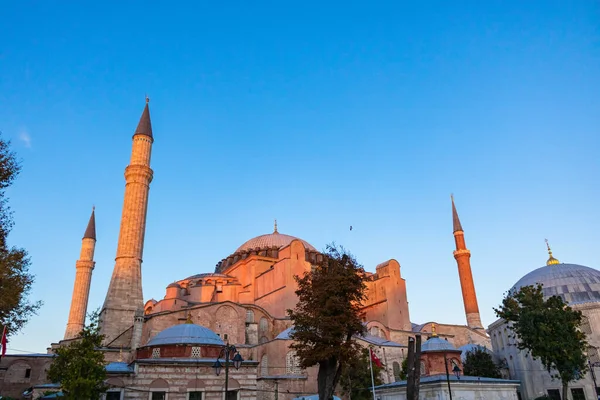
x,y
574,283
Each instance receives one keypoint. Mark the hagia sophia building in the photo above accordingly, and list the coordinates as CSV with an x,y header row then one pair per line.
x,y
166,349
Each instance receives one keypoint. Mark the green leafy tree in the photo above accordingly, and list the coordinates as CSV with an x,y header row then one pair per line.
x,y
549,330
356,377
479,362
404,370
327,316
79,366
15,279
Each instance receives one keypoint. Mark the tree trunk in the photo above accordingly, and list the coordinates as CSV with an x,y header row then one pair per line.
x,y
328,377
565,390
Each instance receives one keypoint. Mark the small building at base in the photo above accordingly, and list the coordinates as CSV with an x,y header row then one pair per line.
x,y
435,387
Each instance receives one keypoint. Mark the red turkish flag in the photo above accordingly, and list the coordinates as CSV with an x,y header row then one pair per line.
x,y
375,359
3,342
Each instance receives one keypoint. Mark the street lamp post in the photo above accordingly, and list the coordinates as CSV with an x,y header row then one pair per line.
x,y
455,370
226,352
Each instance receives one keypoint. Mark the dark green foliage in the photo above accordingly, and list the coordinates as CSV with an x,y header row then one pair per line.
x,y
404,370
356,377
327,316
549,329
15,279
79,367
479,362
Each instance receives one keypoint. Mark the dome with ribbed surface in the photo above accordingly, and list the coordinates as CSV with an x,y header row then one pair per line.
x,y
574,283
273,239
185,334
436,344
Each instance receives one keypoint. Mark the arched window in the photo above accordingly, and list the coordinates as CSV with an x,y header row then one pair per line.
x,y
158,389
263,327
374,331
264,366
396,368
249,316
292,364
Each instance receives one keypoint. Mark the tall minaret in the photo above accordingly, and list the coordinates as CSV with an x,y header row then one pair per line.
x,y
83,279
462,256
124,296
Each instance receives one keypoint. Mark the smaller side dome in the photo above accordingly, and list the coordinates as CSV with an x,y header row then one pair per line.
x,y
286,334
174,285
436,343
186,334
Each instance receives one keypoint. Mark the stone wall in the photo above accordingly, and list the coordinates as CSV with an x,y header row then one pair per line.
x,y
14,378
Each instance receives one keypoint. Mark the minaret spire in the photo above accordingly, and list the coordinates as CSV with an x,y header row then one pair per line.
x,y
275,227
463,259
124,296
83,279
455,219
90,231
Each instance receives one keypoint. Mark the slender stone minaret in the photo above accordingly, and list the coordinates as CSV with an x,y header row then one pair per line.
x,y
83,279
463,256
124,296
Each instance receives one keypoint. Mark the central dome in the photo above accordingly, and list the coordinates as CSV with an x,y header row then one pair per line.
x,y
272,239
574,283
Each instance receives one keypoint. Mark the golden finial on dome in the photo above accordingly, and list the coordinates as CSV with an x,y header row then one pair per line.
x,y
551,259
189,318
275,228
433,332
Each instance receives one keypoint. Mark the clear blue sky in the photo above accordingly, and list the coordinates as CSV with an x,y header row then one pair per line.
x,y
320,115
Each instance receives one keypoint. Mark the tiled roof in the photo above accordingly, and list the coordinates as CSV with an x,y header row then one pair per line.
x,y
208,275
118,368
185,334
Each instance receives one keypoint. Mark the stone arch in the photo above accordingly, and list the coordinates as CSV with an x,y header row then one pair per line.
x,y
264,365
396,368
159,384
196,384
249,316
17,372
115,382
233,384
376,328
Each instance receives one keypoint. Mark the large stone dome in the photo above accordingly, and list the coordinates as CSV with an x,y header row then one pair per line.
x,y
185,334
574,283
272,239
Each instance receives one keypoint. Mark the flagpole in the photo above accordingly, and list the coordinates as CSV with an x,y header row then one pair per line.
x,y
371,365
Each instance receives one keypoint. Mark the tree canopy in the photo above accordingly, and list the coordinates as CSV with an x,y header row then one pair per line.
x,y
327,316
549,330
79,366
479,362
15,278
356,377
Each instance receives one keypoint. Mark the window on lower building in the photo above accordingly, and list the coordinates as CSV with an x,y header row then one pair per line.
x,y
577,394
194,395
396,368
113,395
554,394
231,395
196,352
27,372
156,352
158,396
